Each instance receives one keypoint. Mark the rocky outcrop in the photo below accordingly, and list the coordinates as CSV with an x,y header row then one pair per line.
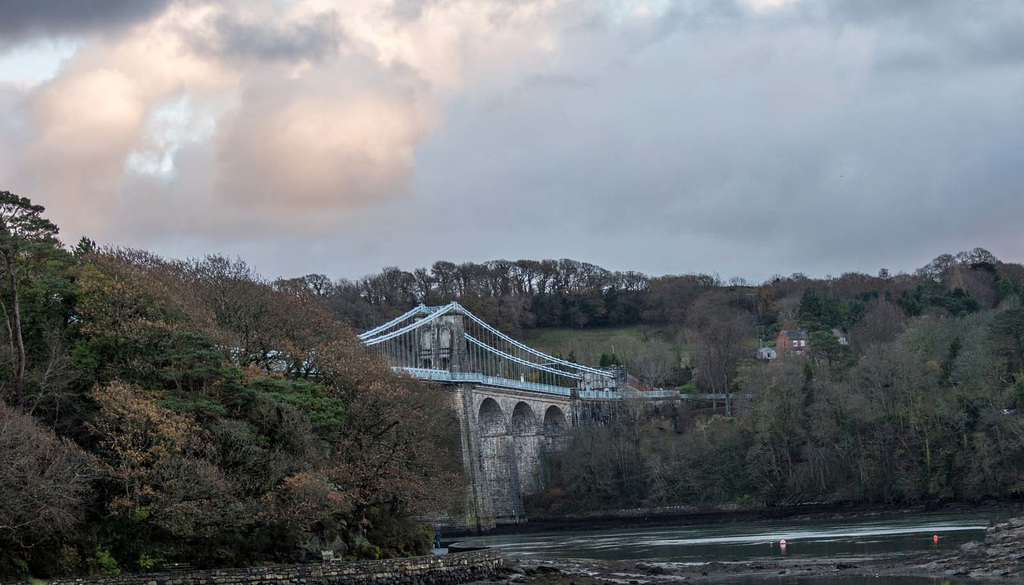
x,y
433,570
1001,554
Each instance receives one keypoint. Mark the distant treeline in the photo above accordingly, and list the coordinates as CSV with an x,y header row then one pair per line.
x,y
523,294
704,325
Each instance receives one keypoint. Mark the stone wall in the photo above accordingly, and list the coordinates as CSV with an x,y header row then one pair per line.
x,y
448,569
506,435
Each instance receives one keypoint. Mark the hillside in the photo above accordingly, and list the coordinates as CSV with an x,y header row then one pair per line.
x,y
160,411
192,412
649,352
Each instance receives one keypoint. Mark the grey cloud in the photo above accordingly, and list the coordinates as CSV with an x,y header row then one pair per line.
x,y
236,38
22,19
686,15
925,34
407,10
567,81
745,149
999,44
12,133
873,11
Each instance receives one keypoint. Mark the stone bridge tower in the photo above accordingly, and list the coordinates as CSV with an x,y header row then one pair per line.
x,y
442,345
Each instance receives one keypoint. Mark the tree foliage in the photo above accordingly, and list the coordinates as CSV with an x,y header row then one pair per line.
x,y
923,417
25,236
192,411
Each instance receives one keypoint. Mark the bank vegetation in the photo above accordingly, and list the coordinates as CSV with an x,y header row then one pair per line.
x,y
158,412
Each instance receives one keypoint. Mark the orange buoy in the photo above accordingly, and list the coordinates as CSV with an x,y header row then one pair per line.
x,y
935,538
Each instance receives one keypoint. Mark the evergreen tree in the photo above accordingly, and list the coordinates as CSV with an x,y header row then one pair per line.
x,y
24,235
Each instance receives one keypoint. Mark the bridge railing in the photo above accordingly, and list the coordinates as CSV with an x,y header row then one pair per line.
x,y
475,378
617,394
715,396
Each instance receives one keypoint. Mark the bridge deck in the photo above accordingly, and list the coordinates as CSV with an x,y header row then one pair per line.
x,y
475,378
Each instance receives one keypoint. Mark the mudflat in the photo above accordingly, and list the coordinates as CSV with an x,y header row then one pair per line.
x,y
999,557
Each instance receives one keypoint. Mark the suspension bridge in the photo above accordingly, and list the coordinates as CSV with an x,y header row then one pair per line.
x,y
513,402
449,344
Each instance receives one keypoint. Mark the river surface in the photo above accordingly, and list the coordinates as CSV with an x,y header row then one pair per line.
x,y
751,541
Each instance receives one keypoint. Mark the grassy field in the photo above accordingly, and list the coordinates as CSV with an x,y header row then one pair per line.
x,y
550,340
589,344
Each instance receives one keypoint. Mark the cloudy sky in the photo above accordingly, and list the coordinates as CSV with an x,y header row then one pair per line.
x,y
745,137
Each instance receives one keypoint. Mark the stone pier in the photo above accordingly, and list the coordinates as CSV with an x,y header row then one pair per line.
x,y
506,434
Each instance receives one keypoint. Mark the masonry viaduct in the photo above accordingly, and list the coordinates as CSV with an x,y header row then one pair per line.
x,y
506,434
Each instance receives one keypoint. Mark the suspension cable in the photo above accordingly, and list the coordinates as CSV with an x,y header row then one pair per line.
x,y
517,360
417,310
406,329
529,349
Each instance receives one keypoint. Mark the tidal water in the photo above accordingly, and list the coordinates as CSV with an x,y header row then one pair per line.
x,y
751,541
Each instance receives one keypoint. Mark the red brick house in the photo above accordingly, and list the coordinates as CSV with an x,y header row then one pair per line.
x,y
791,342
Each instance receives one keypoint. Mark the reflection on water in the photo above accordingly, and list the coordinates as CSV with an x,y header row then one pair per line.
x,y
754,540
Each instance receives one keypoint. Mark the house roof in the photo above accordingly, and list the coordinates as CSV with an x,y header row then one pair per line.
x,y
795,334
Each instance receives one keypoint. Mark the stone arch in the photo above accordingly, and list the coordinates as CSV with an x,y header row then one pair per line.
x,y
491,417
554,421
524,422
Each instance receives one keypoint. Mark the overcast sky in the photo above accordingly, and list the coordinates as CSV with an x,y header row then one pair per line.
x,y
743,137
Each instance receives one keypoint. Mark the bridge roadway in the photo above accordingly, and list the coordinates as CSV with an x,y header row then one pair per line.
x,y
445,376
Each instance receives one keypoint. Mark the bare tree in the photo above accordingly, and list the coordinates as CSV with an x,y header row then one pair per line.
x,y
719,333
43,482
882,323
652,361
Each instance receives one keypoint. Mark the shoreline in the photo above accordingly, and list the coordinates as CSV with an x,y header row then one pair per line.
x,y
997,558
683,516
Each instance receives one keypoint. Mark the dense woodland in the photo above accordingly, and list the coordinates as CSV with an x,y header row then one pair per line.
x,y
158,411
161,411
924,405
